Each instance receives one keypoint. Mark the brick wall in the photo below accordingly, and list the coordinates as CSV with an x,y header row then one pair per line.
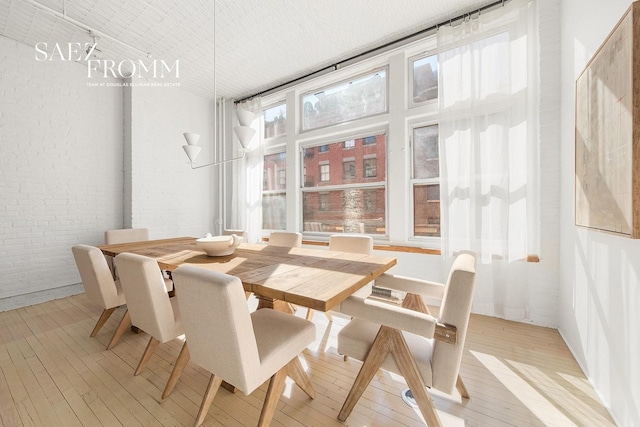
x,y
60,170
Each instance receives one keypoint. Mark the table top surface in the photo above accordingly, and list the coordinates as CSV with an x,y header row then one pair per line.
x,y
313,278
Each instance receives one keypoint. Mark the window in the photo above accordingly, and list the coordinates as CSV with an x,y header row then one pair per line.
x,y
425,182
424,78
323,149
351,203
370,167
349,169
324,201
349,144
356,98
274,195
369,140
275,120
324,172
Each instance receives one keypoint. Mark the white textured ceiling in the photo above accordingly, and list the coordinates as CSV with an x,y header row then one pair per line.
x,y
258,43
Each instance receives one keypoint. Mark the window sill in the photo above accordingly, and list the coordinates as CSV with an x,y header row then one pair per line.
x,y
399,248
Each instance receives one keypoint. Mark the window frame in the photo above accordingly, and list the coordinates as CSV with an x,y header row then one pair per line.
x,y
270,105
432,241
356,134
410,72
327,86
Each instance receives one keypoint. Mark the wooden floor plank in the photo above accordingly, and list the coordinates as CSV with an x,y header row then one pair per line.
x,y
53,373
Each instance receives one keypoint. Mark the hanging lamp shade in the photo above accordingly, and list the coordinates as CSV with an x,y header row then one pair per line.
x,y
192,151
244,134
192,138
245,117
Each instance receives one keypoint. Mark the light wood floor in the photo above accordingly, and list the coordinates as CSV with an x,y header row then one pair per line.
x,y
53,374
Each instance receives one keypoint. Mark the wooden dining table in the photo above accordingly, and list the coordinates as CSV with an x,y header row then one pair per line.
x,y
277,276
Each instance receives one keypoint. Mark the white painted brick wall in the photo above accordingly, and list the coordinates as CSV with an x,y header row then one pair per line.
x,y
60,168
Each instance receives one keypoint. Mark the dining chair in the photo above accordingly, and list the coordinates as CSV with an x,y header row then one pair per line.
x,y
123,235
285,239
425,350
243,349
353,244
101,288
150,307
288,240
241,233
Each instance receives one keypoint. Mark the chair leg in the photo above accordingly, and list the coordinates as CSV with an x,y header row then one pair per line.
x,y
461,388
151,348
276,386
409,369
301,378
125,322
209,394
101,321
178,367
377,354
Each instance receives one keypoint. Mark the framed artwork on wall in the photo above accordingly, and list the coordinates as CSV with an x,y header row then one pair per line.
x,y
607,143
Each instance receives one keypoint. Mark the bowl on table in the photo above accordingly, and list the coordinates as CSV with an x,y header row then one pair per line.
x,y
219,245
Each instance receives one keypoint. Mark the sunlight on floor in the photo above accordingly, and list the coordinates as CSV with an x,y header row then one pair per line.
x,y
530,398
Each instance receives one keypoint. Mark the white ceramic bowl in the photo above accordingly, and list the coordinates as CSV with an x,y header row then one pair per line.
x,y
219,245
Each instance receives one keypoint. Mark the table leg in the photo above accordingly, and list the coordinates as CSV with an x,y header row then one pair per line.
x,y
265,302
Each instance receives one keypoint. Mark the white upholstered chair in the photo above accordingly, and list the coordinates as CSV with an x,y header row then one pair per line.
x,y
244,349
123,235
126,235
356,244
286,239
407,340
100,287
241,233
148,302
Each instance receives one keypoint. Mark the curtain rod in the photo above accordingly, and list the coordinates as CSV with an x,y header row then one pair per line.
x,y
376,50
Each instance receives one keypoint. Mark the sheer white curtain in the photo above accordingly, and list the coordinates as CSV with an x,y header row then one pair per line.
x,y
246,184
488,142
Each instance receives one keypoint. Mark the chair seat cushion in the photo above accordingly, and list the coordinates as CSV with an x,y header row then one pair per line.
x,y
280,337
356,338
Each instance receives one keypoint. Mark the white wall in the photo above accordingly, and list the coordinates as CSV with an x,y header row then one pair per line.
x,y
60,172
600,273
166,195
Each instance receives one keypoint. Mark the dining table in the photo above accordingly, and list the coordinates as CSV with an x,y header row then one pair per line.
x,y
277,276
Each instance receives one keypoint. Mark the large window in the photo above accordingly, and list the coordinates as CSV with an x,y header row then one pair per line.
x,y
274,192
425,181
353,202
275,120
362,96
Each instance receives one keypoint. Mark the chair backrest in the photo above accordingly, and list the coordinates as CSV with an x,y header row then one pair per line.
x,y
355,244
454,310
286,239
349,243
96,276
217,325
229,232
146,295
125,235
